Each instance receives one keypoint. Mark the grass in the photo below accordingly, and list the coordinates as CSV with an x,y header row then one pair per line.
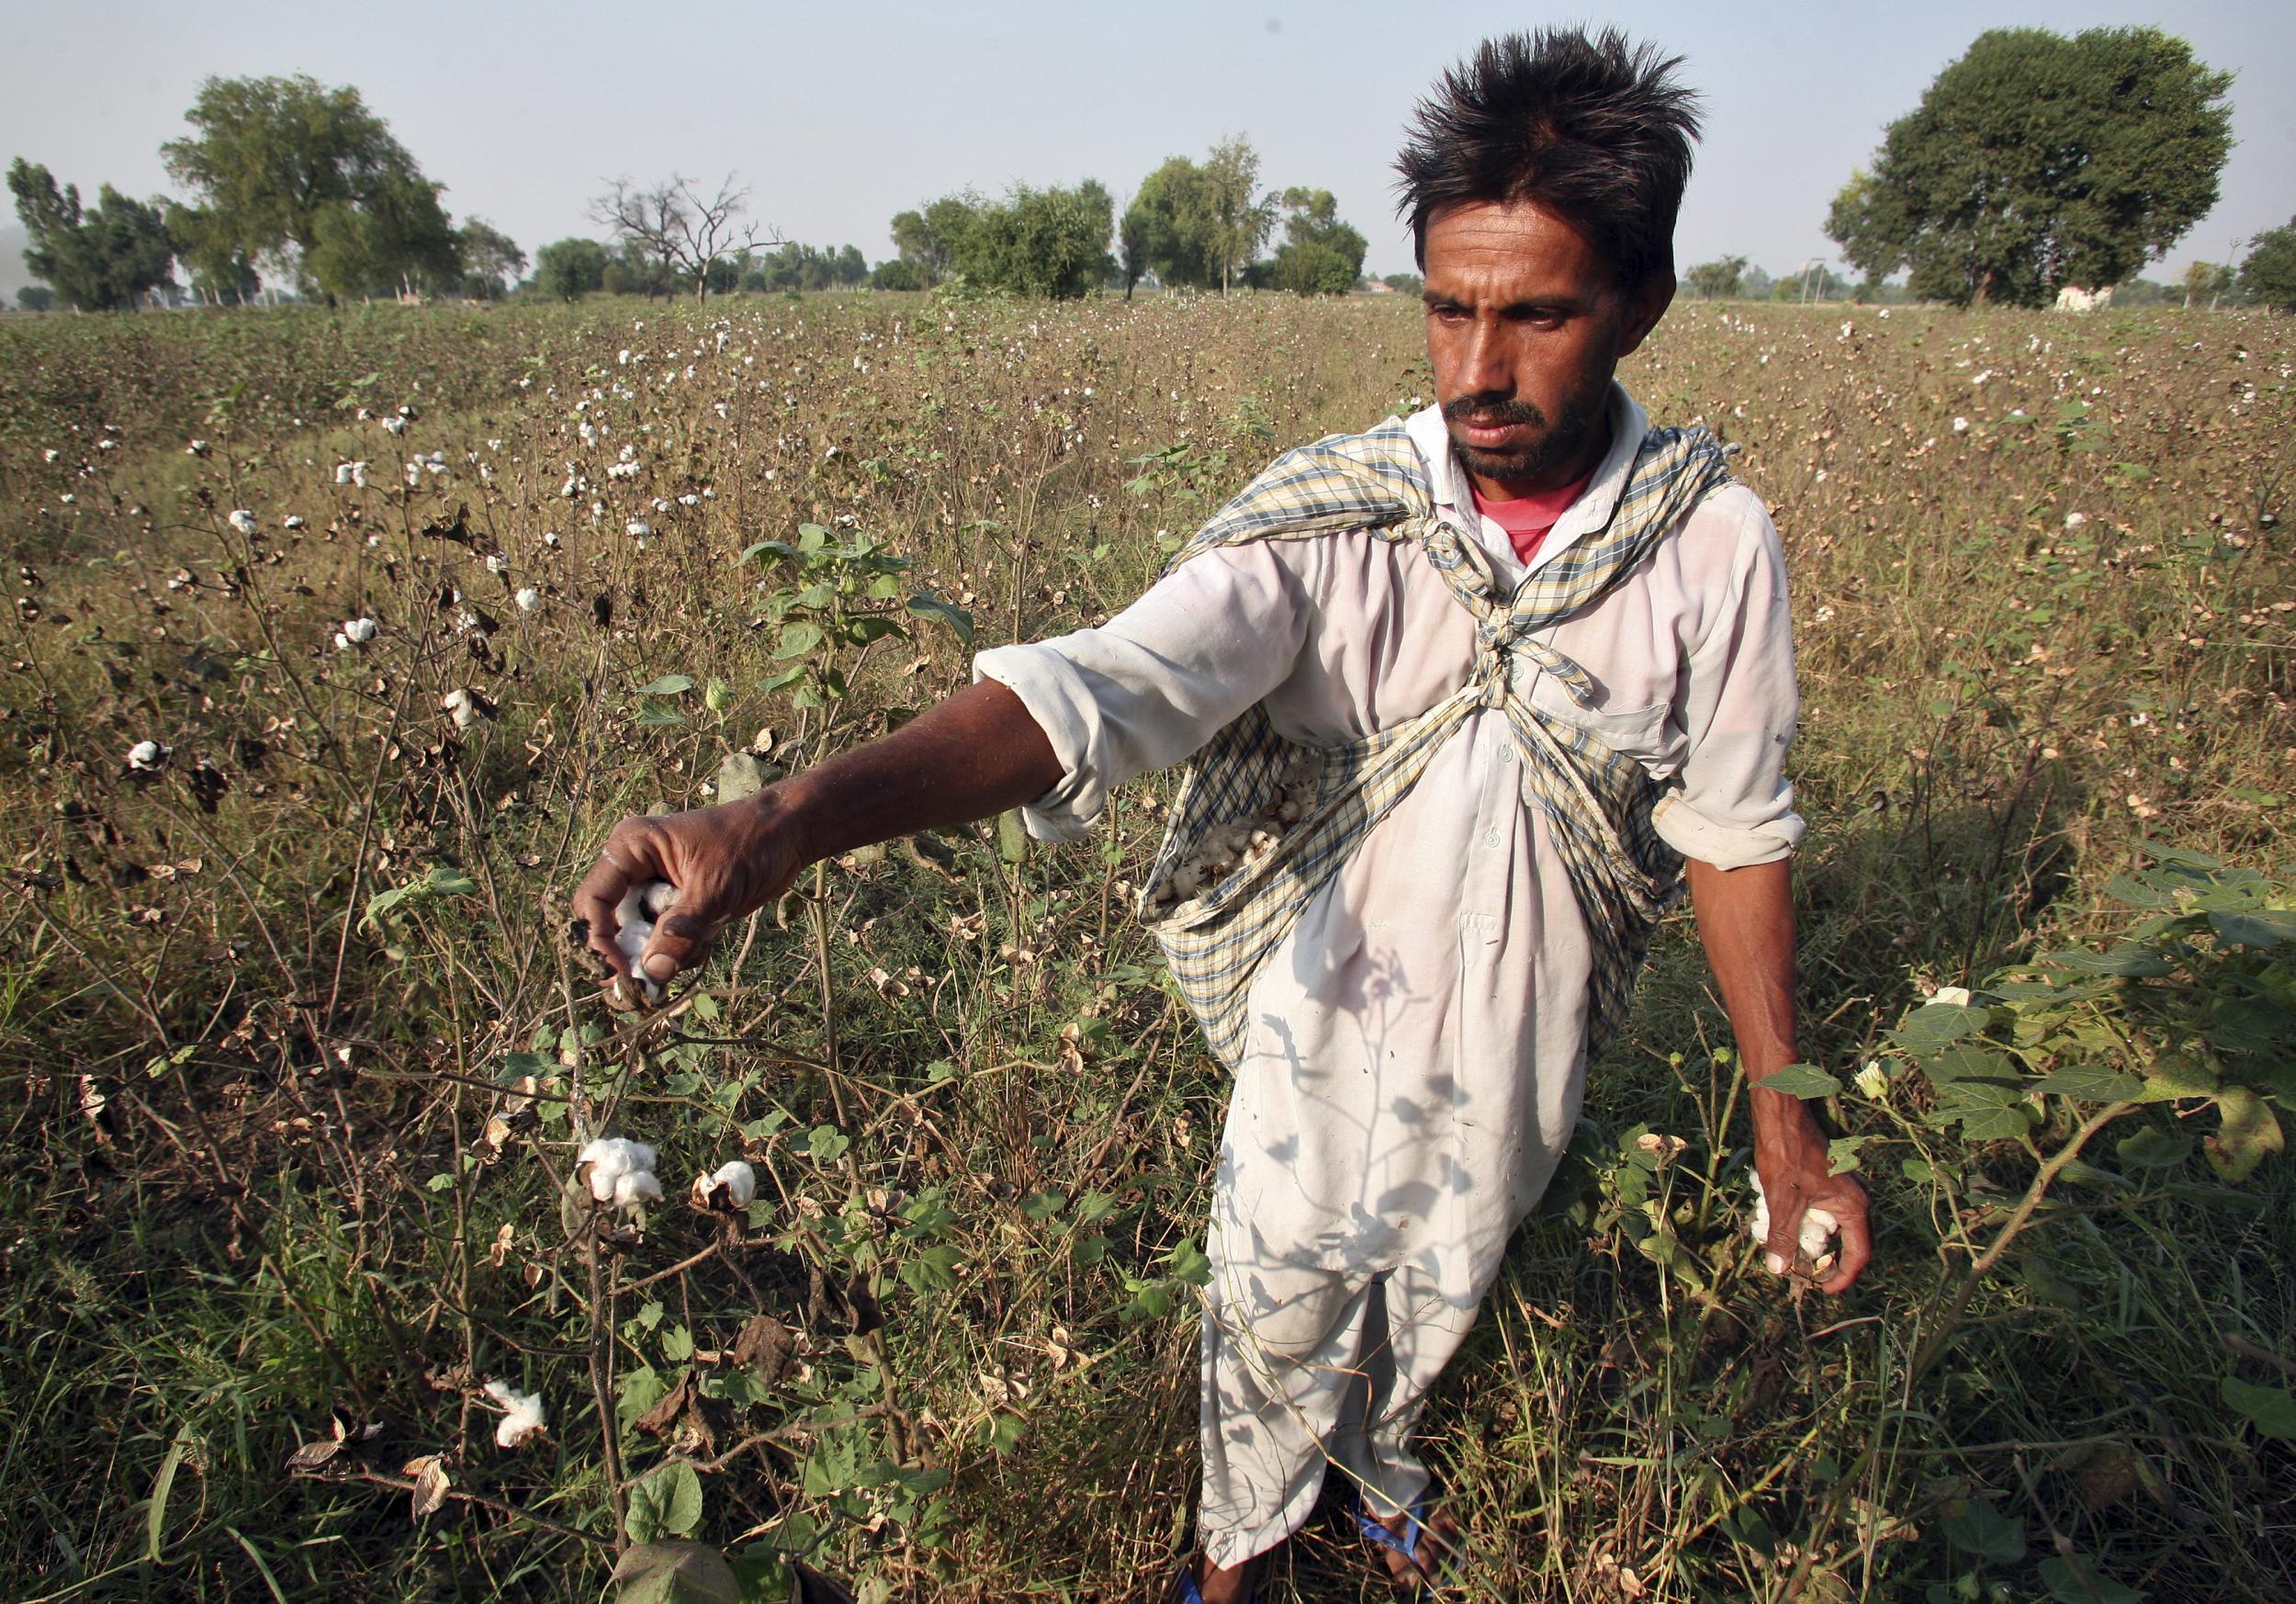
x,y
249,1176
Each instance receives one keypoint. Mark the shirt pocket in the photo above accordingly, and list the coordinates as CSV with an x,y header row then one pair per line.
x,y
1636,733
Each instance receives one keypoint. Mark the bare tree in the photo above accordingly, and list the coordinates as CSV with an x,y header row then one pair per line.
x,y
672,223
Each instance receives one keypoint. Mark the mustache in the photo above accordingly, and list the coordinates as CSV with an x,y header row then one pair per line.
x,y
1489,411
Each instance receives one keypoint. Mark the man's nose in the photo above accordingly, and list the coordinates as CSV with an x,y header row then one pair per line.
x,y
1486,371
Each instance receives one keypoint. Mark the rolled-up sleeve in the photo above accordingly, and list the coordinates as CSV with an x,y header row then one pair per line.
x,y
1156,682
1735,702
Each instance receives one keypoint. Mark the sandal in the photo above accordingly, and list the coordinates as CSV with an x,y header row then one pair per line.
x,y
1434,1582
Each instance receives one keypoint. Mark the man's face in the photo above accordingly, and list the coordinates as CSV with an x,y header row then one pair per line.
x,y
1524,326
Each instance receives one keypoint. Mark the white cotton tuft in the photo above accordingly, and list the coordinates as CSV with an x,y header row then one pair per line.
x,y
522,1416
619,1170
528,599
730,1186
146,756
641,907
244,521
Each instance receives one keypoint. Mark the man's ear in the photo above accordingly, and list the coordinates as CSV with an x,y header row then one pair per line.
x,y
1646,304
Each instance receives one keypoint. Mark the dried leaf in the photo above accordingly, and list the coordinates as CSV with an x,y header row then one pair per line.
x,y
431,1484
765,1345
311,1456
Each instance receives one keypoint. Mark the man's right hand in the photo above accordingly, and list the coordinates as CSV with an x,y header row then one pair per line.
x,y
725,861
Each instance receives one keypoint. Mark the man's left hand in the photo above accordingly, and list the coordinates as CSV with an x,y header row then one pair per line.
x,y
1790,1157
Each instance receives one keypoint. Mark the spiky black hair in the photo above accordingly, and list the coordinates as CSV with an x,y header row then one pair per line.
x,y
1596,130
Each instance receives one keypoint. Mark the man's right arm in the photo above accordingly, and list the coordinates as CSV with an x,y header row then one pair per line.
x,y
973,755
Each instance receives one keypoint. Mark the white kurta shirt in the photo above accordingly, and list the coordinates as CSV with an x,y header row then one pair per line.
x,y
1415,1059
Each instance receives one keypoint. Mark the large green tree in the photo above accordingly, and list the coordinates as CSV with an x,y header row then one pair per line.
x,y
1197,225
927,238
98,258
2036,162
1165,230
272,157
1719,279
492,260
2268,274
1321,254
570,268
1039,241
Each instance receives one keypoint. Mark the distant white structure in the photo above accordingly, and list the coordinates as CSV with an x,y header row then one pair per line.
x,y
2071,298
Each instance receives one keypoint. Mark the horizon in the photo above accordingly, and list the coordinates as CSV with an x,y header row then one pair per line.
x,y
1324,104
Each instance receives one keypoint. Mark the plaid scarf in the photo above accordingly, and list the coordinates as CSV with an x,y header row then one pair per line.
x,y
1597,802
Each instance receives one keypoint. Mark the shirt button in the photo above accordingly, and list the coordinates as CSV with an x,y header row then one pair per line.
x,y
1490,839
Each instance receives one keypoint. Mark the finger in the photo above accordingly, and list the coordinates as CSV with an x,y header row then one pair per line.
x,y
680,942
601,893
1857,1244
1784,1245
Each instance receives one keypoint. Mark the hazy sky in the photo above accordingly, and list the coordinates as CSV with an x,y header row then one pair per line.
x,y
839,114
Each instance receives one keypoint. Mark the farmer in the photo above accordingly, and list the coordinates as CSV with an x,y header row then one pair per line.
x,y
1483,681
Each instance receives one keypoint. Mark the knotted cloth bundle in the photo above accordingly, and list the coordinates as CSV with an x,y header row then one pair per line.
x,y
1596,801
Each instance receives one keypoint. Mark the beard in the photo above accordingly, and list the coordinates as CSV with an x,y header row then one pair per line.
x,y
1559,443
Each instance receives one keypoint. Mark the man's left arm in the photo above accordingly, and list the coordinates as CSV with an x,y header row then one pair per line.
x,y
1746,920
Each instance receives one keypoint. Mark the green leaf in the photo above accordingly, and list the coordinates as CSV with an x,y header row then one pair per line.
x,y
2271,1410
640,1391
667,685
1841,1153
678,1573
2153,1148
925,605
667,1503
1976,1528
797,639
163,1483
788,676
2091,1083
2266,927
1800,1080
655,713
1012,836
677,1344
2250,1134
1189,1264
828,1143
2074,1579
442,880
2128,961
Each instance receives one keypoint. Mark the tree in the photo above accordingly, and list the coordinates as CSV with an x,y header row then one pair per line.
x,y
1321,254
896,274
1039,241
1236,224
670,224
570,268
927,239
222,273
2036,162
98,258
489,257
34,298
1754,285
394,240
272,155
2268,274
1403,283
1722,280
2209,281
1166,229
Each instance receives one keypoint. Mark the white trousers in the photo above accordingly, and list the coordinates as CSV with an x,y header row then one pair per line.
x,y
1305,1368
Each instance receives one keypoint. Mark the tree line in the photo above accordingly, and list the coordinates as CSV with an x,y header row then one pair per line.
x,y
297,187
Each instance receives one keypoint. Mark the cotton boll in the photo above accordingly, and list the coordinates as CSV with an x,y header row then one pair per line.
x,y
528,599
244,521
522,1416
359,631
459,707
640,910
727,1187
638,1186
147,757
